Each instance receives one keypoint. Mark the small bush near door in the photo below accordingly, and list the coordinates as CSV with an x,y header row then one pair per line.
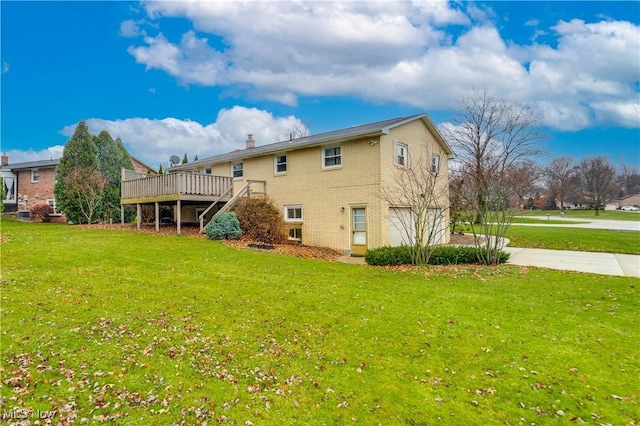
x,y
224,226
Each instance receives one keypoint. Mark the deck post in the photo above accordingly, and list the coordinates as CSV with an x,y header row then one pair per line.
x,y
178,216
157,216
138,215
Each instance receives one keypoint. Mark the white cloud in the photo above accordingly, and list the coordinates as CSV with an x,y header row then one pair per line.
x,y
193,61
625,113
5,67
129,28
154,141
399,52
20,156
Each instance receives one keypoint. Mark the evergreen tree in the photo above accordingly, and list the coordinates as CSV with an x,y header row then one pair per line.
x,y
160,171
185,160
112,157
195,158
127,163
79,151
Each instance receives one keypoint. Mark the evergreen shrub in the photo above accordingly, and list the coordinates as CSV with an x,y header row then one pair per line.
x,y
224,226
389,256
441,255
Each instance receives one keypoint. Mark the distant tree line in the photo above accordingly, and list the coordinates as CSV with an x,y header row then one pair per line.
x,y
87,187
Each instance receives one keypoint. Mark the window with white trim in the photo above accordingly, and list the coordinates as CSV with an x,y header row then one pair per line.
x,y
435,163
401,157
295,234
35,175
52,203
293,213
280,164
237,170
332,157
208,170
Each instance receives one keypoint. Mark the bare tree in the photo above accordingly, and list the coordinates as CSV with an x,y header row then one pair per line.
x,y
596,182
629,180
86,184
560,176
491,136
419,195
524,177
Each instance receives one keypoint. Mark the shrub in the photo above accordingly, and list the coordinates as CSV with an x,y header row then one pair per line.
x,y
260,220
441,255
224,226
40,212
387,256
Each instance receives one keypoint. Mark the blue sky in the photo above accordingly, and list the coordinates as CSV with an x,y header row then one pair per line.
x,y
196,77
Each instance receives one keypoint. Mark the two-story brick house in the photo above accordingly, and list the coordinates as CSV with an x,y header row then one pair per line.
x,y
29,183
328,185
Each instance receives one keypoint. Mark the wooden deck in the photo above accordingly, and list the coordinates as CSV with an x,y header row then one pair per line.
x,y
139,188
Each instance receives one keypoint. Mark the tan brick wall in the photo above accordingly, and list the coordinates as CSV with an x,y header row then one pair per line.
x,y
422,144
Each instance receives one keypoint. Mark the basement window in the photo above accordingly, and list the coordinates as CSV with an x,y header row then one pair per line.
x,y
295,234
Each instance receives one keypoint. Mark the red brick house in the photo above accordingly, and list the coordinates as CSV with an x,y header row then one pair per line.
x,y
29,183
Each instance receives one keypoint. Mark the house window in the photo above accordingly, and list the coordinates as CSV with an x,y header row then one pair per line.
x,y
293,213
35,175
401,155
280,164
332,157
237,170
52,203
295,234
435,163
208,170
198,212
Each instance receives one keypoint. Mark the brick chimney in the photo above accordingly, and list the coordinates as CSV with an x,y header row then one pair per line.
x,y
5,159
251,143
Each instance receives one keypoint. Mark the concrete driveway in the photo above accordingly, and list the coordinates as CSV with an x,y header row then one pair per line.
x,y
615,225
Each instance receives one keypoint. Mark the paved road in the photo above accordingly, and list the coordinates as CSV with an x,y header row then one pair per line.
x,y
616,225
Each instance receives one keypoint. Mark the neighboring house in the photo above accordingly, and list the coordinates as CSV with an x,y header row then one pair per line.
x,y
29,183
629,200
328,186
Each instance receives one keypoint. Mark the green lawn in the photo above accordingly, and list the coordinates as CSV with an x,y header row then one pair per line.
x,y
142,329
580,239
587,214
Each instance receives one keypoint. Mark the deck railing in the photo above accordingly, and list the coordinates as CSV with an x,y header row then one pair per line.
x,y
136,185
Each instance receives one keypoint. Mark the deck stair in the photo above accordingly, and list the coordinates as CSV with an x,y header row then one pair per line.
x,y
246,190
